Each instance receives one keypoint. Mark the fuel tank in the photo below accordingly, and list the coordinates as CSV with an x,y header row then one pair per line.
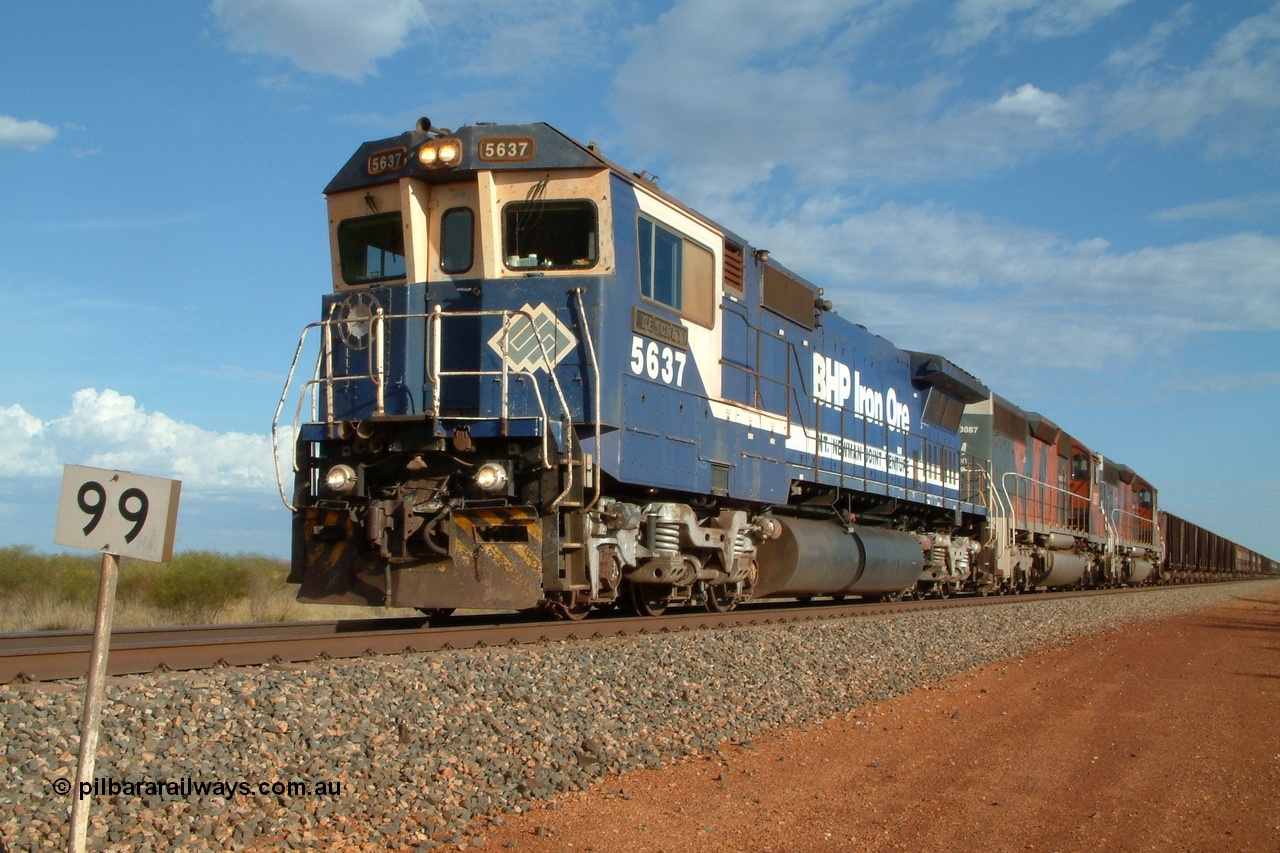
x,y
1139,570
820,558
1058,568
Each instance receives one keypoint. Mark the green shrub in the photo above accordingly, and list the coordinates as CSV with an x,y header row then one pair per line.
x,y
271,599
76,582
62,577
198,585
137,580
20,569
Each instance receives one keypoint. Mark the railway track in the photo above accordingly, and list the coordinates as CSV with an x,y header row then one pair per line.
x,y
53,655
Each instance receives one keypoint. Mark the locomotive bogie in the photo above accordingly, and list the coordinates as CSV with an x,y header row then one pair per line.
x,y
950,566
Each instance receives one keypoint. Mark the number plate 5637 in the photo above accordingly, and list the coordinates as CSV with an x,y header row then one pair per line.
x,y
657,361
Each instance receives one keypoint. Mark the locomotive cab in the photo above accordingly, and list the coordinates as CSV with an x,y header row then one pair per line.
x,y
450,373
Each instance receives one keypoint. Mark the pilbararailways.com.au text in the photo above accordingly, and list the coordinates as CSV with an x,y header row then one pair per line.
x,y
186,787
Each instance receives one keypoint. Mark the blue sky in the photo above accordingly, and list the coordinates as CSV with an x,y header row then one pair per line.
x,y
1079,202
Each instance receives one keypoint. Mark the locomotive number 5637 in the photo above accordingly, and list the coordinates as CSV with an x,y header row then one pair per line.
x,y
657,361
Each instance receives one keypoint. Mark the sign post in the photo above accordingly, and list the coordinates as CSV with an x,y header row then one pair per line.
x,y
119,514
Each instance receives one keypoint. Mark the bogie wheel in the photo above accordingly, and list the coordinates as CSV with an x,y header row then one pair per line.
x,y
721,598
646,599
565,606
436,615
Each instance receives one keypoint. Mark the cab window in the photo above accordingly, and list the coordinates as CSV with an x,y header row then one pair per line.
x,y
942,409
660,264
556,235
457,240
676,272
371,248
1079,467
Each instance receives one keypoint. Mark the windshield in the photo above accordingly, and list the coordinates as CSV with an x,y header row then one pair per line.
x,y
371,248
549,235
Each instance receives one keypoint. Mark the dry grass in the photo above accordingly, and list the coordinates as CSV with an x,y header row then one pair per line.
x,y
40,592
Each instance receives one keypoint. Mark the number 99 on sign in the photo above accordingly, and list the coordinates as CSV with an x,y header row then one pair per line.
x,y
96,507
117,512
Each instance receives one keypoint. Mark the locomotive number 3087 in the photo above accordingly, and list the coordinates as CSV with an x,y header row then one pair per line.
x,y
656,361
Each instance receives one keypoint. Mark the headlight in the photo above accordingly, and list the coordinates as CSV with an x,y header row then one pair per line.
x,y
440,153
340,479
491,477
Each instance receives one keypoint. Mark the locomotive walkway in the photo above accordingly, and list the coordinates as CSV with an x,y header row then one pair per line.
x,y
1157,736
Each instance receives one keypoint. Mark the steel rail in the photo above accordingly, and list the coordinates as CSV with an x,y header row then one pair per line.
x,y
53,655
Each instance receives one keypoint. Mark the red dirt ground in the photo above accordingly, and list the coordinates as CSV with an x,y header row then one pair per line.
x,y
1162,736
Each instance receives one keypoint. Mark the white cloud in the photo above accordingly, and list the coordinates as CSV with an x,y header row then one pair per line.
x,y
1047,109
498,38
522,43
927,277
344,38
25,449
1255,206
106,429
788,94
1057,18
30,134
979,20
1233,94
787,91
1151,49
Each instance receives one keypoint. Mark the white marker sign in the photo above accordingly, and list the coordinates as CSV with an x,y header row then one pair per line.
x,y
117,513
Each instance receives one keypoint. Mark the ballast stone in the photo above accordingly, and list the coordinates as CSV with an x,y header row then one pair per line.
x,y
423,745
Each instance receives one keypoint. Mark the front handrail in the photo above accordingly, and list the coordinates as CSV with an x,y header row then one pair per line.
x,y
320,388
999,511
275,420
1030,501
436,373
595,393
1145,527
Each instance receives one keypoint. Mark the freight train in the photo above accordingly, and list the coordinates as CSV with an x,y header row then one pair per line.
x,y
542,381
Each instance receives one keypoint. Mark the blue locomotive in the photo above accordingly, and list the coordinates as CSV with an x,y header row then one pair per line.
x,y
541,380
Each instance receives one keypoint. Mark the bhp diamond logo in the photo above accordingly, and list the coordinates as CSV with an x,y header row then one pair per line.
x,y
531,338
